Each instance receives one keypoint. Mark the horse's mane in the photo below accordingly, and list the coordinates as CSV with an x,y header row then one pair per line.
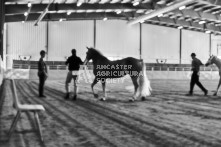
x,y
97,52
217,58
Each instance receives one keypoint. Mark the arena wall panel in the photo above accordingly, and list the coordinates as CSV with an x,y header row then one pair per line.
x,y
25,39
216,45
195,42
115,39
160,43
64,36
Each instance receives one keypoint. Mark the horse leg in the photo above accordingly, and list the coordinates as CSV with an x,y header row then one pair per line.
x,y
104,90
75,89
92,87
135,82
217,87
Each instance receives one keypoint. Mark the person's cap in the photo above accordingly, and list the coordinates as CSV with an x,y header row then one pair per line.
x,y
42,52
193,54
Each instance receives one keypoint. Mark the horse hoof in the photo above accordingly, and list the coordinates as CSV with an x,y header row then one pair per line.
x,y
102,99
143,98
96,95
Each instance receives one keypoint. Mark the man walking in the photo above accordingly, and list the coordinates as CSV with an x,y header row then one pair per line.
x,y
73,63
196,63
42,73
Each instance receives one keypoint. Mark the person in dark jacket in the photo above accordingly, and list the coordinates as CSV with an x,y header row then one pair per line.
x,y
73,63
196,63
42,73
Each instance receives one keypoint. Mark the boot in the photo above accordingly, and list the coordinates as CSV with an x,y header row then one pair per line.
x,y
67,96
75,98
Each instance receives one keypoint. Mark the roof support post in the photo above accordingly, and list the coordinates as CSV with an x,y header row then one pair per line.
x,y
2,21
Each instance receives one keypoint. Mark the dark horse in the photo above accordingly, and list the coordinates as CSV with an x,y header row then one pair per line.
x,y
104,68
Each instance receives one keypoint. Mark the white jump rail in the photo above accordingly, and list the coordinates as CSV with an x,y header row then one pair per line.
x,y
24,108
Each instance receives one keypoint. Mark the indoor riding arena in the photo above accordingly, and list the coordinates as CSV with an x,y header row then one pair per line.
x,y
110,73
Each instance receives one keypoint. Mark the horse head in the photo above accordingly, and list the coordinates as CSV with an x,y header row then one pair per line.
x,y
210,60
89,55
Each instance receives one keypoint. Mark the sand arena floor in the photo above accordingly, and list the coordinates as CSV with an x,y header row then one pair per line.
x,y
167,118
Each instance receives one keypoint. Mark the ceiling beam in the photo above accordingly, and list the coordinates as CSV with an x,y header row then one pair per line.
x,y
2,21
197,15
28,12
175,24
72,16
36,8
161,11
23,1
164,21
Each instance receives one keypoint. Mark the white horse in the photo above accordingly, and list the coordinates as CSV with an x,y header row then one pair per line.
x,y
214,60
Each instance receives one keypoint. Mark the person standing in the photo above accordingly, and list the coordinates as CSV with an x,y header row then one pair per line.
x,y
42,73
73,63
196,63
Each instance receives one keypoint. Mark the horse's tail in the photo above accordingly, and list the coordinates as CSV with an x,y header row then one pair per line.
x,y
144,84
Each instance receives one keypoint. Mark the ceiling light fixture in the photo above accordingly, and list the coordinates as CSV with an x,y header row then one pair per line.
x,y
149,11
118,12
79,4
26,13
160,15
208,32
217,24
202,22
180,27
69,13
182,7
29,4
105,18
170,3
162,2
136,3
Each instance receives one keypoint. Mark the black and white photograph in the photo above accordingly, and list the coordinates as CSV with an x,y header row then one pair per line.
x,y
110,73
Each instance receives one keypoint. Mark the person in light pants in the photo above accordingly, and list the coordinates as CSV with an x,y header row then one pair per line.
x,y
73,63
